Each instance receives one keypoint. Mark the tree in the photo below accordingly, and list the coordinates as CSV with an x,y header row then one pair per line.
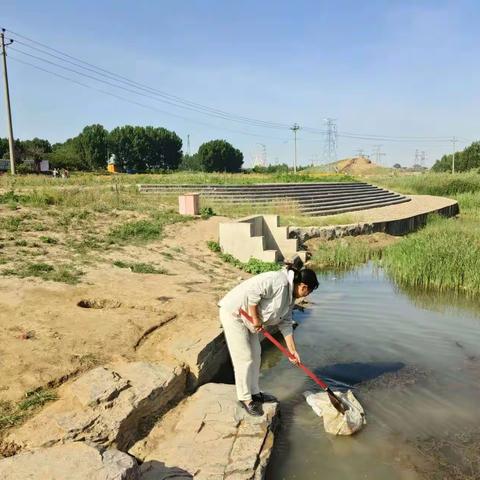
x,y
145,148
36,149
397,165
66,155
467,159
220,156
91,146
3,147
191,163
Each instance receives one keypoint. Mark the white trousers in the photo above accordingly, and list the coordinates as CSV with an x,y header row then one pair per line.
x,y
245,351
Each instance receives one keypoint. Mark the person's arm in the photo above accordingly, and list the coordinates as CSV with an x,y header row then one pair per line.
x,y
257,323
289,340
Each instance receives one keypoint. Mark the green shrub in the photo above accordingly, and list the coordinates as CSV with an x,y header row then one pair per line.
x,y
141,267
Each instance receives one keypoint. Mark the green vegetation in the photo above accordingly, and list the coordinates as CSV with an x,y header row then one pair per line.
x,y
142,231
253,266
45,271
348,252
465,160
11,415
445,255
141,267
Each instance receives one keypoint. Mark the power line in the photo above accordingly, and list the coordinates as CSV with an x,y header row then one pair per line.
x,y
143,105
180,102
171,99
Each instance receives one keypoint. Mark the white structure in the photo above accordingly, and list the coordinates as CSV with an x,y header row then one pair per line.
x,y
260,237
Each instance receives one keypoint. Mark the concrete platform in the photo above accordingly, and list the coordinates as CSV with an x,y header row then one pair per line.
x,y
393,219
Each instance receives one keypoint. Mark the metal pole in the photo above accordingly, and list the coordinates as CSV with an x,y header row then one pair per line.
x,y
454,141
11,143
295,128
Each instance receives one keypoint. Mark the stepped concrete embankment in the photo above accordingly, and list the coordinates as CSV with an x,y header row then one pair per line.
x,y
312,199
394,220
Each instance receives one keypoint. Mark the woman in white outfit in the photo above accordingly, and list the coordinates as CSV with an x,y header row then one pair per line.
x,y
269,299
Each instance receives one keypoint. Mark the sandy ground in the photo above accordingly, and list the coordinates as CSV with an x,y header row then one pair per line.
x,y
48,333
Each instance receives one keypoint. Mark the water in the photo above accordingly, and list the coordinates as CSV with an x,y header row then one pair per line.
x,y
415,363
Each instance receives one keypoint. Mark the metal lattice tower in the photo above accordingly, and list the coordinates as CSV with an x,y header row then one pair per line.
x,y
377,152
330,147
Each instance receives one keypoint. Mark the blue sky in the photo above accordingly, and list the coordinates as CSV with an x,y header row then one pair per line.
x,y
394,68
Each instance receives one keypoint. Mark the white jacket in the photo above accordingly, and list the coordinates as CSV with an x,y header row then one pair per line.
x,y
272,292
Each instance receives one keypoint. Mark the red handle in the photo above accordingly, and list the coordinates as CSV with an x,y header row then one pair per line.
x,y
286,352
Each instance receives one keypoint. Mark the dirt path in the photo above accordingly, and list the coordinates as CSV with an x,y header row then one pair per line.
x,y
53,330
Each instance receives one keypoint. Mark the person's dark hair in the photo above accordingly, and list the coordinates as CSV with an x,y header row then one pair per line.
x,y
306,276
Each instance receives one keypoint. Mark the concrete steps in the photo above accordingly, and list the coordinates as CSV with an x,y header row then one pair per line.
x,y
312,199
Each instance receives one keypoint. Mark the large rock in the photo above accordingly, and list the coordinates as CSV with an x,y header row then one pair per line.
x,y
107,406
208,436
72,461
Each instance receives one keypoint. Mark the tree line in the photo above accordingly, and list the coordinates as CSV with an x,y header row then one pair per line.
x,y
136,149
465,160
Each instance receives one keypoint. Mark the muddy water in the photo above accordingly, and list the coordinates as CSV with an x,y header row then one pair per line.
x,y
415,366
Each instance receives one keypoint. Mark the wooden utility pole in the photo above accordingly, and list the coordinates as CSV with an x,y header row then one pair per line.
x,y
11,143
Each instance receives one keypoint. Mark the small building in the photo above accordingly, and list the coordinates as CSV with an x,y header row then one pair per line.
x,y
112,165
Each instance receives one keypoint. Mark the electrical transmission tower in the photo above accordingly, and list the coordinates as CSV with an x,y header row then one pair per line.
x,y
378,154
263,156
360,153
330,147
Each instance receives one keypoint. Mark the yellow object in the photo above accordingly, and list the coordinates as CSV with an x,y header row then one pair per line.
x,y
112,168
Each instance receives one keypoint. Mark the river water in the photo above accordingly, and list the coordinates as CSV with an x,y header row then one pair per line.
x,y
415,364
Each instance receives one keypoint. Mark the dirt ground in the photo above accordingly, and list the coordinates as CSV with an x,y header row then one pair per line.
x,y
51,330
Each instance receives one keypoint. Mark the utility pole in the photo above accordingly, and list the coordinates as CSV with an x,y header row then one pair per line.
x,y
360,153
454,141
188,144
294,129
11,143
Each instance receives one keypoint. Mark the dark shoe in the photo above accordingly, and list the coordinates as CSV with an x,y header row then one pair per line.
x,y
264,398
253,408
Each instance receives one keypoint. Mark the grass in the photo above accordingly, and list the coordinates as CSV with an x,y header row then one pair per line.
x,y
445,255
13,414
141,267
142,231
253,266
342,254
120,181
59,273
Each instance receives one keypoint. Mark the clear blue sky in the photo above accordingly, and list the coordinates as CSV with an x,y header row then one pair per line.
x,y
396,68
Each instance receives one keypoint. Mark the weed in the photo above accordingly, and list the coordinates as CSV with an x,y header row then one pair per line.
x,y
62,273
49,240
21,243
207,212
141,267
214,246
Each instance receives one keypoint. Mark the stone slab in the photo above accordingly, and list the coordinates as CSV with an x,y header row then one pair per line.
x,y
208,436
72,461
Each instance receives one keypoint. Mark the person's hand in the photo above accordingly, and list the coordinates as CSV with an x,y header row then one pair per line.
x,y
295,358
257,326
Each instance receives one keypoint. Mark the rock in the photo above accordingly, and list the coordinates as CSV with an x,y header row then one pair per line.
x,y
208,436
107,406
72,461
333,421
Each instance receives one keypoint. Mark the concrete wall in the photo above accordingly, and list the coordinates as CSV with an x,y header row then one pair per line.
x,y
258,236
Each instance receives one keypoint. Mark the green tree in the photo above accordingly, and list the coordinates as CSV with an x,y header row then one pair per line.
x,y
191,163
66,155
91,145
145,148
220,156
3,147
37,150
